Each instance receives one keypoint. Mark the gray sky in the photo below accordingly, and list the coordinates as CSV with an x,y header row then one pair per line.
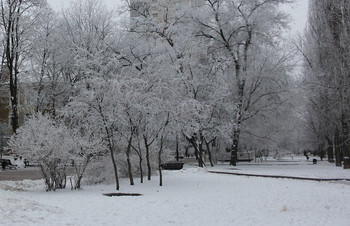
x,y
297,10
59,4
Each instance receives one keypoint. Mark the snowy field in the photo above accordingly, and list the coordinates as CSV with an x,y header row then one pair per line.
x,y
191,196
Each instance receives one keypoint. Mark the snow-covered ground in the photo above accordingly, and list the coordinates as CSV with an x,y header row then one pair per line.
x,y
191,196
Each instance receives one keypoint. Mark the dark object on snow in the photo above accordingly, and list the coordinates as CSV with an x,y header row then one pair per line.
x,y
26,163
172,165
122,194
7,163
307,157
314,161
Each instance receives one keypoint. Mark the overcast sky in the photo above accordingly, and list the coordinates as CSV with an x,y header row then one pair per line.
x,y
297,10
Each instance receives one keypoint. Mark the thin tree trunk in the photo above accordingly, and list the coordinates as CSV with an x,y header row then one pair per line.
x,y
209,151
80,174
337,148
128,161
345,145
115,169
160,162
149,169
109,136
160,152
177,148
141,170
40,85
193,142
330,150
234,150
200,149
14,105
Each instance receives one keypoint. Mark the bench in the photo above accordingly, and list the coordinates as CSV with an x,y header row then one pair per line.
x,y
172,165
7,163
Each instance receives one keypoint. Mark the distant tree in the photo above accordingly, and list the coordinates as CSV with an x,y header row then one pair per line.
x,y
48,60
326,51
90,34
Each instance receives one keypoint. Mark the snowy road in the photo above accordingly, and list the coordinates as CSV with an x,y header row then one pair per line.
x,y
32,173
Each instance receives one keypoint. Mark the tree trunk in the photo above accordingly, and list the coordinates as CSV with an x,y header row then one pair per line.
x,y
337,147
40,85
14,106
111,150
200,150
81,173
209,151
141,169
330,150
160,162
234,150
128,161
46,176
12,35
239,115
192,141
345,144
115,169
177,148
110,144
149,169
160,152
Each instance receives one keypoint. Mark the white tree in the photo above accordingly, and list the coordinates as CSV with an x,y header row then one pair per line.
x,y
48,60
40,140
238,31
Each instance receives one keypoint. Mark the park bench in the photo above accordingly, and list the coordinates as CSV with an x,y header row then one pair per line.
x,y
172,165
7,163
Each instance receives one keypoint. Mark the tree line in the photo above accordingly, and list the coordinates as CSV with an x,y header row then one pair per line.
x,y
326,78
131,89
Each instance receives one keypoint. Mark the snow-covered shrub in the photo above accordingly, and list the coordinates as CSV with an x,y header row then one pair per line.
x,y
44,140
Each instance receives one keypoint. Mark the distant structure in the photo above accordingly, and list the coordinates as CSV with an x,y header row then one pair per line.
x,y
5,102
159,10
5,111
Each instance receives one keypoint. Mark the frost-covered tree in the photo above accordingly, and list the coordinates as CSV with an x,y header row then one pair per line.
x,y
40,140
99,105
90,34
48,60
55,145
177,56
326,53
238,32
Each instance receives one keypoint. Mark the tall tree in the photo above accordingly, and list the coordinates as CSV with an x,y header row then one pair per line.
x,y
238,30
17,19
327,72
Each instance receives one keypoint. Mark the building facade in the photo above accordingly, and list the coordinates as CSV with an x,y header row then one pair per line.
x,y
159,10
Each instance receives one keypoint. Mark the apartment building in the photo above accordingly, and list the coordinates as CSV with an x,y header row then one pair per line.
x,y
159,10
5,105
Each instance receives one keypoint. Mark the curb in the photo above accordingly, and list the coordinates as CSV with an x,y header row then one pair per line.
x,y
281,177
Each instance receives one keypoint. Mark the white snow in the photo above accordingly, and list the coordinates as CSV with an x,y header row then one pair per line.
x,y
191,196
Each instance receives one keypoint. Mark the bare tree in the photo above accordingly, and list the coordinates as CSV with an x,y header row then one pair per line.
x,y
327,66
17,18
